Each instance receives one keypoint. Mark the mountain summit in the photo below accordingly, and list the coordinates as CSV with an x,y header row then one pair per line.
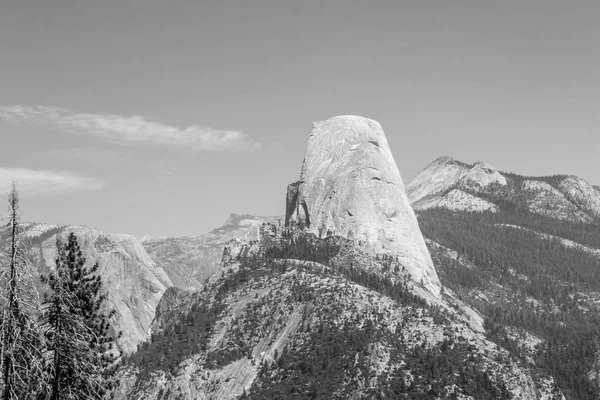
x,y
350,186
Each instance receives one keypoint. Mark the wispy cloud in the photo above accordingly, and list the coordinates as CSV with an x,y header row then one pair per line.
x,y
88,155
129,130
39,182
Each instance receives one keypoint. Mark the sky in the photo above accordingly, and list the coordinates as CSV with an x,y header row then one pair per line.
x,y
163,117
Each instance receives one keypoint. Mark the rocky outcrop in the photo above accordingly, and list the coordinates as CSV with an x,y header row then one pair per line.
x,y
190,261
457,200
134,282
582,194
544,199
482,175
350,186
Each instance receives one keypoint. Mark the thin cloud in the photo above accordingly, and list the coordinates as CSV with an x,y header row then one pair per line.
x,y
88,155
129,130
40,182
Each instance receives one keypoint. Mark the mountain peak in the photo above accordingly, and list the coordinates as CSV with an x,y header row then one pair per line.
x,y
350,186
436,177
443,160
452,184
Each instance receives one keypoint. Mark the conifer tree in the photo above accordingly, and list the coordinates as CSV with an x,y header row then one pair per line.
x,y
78,329
20,358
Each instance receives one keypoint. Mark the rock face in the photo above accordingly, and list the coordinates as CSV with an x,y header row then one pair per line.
x,y
350,186
545,199
457,200
134,282
582,194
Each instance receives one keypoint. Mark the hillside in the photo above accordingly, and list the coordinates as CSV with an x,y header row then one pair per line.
x,y
528,262
297,316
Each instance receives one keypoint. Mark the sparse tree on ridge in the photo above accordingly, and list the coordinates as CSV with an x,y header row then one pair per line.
x,y
20,358
77,329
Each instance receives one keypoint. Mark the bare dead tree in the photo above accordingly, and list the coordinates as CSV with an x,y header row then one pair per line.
x,y
21,358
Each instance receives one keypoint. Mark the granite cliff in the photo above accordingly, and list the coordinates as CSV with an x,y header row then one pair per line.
x,y
134,282
350,186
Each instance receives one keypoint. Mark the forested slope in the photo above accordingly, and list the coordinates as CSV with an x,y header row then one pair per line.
x,y
515,267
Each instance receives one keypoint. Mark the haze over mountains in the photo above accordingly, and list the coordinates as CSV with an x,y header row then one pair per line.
x,y
189,261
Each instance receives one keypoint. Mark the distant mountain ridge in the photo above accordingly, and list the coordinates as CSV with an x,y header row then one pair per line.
x,y
190,261
455,185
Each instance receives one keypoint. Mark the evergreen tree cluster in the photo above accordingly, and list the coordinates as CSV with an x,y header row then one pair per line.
x,y
189,334
331,360
62,347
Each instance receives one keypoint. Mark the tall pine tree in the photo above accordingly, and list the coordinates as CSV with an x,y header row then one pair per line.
x,y
78,329
20,358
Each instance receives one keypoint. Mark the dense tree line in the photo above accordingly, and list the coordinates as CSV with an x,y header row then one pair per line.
x,y
61,348
189,334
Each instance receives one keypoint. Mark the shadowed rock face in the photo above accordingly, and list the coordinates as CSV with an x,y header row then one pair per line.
x,y
350,186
